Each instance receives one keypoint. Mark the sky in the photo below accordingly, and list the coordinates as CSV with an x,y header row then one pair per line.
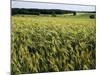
x,y
85,2
41,5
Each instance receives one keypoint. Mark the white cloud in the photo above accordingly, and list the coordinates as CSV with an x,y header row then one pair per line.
x,y
85,2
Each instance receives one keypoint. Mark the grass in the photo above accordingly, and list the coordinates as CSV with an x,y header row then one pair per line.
x,y
52,44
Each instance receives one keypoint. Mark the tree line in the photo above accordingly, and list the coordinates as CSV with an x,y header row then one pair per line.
x,y
53,12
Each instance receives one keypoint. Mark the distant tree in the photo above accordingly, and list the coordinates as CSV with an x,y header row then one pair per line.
x,y
74,13
36,13
92,16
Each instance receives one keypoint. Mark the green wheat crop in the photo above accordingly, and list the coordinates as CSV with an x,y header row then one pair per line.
x,y
52,44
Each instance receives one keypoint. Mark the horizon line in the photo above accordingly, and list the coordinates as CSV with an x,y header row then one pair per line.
x,y
54,9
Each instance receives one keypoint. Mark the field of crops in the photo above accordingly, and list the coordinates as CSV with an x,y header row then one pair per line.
x,y
52,44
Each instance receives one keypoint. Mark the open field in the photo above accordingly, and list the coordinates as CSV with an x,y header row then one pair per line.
x,y
52,44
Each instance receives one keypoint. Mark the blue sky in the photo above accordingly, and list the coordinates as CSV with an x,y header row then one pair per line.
x,y
23,4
